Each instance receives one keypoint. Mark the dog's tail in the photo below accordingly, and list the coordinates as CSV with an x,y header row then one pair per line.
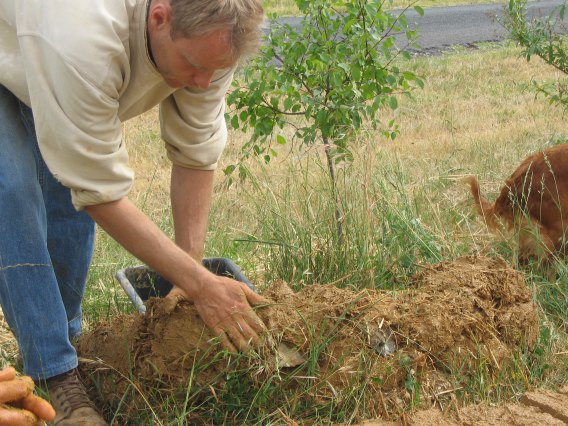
x,y
483,207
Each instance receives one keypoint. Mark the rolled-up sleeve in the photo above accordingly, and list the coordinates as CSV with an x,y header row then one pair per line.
x,y
193,123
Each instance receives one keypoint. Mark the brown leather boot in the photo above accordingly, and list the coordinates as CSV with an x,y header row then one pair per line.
x,y
71,402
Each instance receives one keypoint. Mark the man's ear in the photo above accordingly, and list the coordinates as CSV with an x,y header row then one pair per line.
x,y
159,15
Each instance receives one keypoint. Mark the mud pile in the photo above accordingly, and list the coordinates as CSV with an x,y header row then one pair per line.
x,y
388,344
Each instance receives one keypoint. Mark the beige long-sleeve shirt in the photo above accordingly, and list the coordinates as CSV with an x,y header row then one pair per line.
x,y
83,66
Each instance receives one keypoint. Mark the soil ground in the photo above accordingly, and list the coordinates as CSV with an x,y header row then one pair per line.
x,y
541,407
456,316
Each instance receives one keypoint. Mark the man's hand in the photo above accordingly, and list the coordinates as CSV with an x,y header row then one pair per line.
x,y
225,307
18,405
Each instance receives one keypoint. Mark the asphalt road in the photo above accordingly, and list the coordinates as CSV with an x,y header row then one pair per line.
x,y
443,27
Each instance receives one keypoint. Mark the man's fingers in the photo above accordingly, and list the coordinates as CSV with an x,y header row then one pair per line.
x,y
237,338
172,299
254,321
15,389
245,333
248,333
247,324
176,293
245,329
253,298
39,406
237,334
224,339
10,416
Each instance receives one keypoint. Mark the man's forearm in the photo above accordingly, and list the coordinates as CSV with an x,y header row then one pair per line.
x,y
191,200
124,222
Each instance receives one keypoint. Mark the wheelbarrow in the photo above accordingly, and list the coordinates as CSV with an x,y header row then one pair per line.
x,y
141,283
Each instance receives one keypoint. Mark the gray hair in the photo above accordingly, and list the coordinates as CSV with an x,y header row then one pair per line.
x,y
243,18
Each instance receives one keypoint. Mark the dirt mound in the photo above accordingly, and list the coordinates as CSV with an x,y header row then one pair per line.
x,y
392,345
541,407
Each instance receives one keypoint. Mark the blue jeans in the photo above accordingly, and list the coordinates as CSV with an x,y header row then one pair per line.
x,y
45,249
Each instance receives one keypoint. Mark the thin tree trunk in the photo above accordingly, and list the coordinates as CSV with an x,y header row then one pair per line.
x,y
338,211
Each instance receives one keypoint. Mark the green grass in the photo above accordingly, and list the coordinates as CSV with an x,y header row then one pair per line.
x,y
384,237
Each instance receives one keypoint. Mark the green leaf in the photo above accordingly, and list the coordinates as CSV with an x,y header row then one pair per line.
x,y
393,102
356,72
288,102
235,122
229,169
408,75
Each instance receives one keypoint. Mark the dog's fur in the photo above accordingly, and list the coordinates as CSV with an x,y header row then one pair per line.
x,y
534,203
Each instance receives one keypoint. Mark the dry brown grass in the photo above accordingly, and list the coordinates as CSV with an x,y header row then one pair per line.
x,y
8,345
476,115
479,103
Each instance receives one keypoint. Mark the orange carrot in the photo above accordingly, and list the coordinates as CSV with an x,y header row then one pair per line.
x,y
10,416
18,388
8,373
39,407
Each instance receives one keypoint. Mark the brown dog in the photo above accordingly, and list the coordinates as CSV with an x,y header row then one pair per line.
x,y
534,203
